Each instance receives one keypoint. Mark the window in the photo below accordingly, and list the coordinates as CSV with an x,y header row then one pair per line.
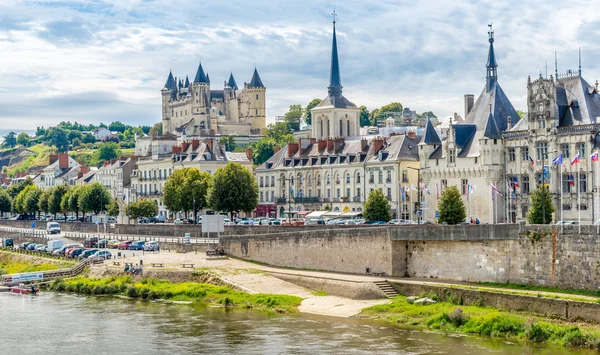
x,y
348,192
566,186
261,196
300,180
358,194
564,150
328,179
404,175
328,193
318,180
337,193
358,178
444,183
465,186
389,193
582,182
495,141
257,96
542,150
380,176
581,150
451,153
525,186
347,178
541,121
261,182
511,154
524,153
272,180
371,177
389,176
273,196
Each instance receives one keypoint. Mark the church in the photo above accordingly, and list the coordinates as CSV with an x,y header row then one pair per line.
x,y
193,109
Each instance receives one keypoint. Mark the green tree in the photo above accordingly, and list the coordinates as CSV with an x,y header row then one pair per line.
x,y
541,207
5,201
43,201
89,138
186,190
452,208
233,189
293,117
74,194
277,130
19,203
113,208
94,198
76,142
172,192
141,209
228,142
31,202
377,207
310,106
521,113
23,139
156,130
108,151
263,150
55,198
10,140
117,126
57,137
364,117
15,189
391,107
65,207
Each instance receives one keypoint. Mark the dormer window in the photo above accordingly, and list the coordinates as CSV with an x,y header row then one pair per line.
x,y
452,155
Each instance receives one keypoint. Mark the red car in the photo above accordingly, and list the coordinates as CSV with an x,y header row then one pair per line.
x,y
124,245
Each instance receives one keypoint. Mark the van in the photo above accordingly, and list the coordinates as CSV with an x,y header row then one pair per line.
x,y
53,228
7,243
54,245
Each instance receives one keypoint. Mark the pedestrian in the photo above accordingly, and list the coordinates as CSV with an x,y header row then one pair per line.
x,y
472,221
477,220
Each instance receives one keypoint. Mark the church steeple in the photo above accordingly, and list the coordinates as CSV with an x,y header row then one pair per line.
x,y
335,80
492,75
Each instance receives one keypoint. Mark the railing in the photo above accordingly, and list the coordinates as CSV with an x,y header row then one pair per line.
x,y
48,274
307,199
356,199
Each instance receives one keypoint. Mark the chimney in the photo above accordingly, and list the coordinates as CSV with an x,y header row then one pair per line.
x,y
63,161
377,145
508,123
322,144
209,144
53,158
249,153
184,146
304,143
329,143
469,102
313,141
337,144
176,149
364,144
277,149
412,134
195,144
292,149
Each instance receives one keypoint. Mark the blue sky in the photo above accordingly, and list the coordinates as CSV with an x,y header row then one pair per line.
x,y
106,60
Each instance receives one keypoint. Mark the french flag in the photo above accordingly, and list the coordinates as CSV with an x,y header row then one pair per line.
x,y
575,160
594,156
571,180
531,162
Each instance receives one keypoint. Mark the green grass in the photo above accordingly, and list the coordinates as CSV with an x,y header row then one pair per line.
x,y
486,321
319,293
184,291
511,286
8,265
39,157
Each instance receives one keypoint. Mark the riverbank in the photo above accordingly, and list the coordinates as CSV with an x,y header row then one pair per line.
x,y
486,321
14,263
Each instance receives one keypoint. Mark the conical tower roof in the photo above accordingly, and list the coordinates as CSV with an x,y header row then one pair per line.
x,y
170,84
335,79
255,81
231,82
491,128
430,137
187,82
200,76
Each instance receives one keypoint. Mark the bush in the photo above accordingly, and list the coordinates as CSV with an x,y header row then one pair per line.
x,y
536,333
143,293
457,317
132,292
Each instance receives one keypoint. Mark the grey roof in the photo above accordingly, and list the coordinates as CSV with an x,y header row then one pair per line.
x,y
200,76
502,108
335,79
521,125
491,62
578,102
187,82
430,137
207,78
231,82
465,139
170,84
217,94
491,128
335,101
255,81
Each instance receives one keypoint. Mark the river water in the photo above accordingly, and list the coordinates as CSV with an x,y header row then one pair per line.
x,y
54,323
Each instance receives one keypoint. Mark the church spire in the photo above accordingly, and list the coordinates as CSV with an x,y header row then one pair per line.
x,y
335,80
492,75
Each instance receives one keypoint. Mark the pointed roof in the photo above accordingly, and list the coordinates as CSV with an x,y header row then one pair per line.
x,y
187,82
430,137
491,62
180,84
200,76
492,65
491,128
170,84
335,79
231,82
255,81
207,78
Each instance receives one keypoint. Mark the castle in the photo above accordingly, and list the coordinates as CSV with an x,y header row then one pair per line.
x,y
192,108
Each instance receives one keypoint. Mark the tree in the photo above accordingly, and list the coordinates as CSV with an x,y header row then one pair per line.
x,y
228,142
310,106
108,151
172,194
10,140
15,189
364,117
55,198
23,139
31,202
377,207
186,190
521,113
76,142
541,207
94,198
263,150
452,208
113,208
117,126
74,194
391,107
233,189
293,117
156,130
89,138
19,203
277,130
57,137
141,209
5,201
72,135
43,201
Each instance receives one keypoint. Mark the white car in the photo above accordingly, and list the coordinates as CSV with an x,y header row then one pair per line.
x,y
151,246
101,255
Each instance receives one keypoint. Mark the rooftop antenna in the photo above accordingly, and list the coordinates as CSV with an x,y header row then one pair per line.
x,y
579,61
555,66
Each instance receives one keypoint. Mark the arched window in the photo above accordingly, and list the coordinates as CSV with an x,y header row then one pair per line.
x,y
358,178
348,127
341,128
328,179
318,180
321,130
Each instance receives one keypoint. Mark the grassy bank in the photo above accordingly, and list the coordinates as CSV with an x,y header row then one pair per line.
x,y
14,264
486,321
511,286
184,291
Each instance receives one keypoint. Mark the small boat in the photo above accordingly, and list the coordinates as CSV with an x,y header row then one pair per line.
x,y
25,290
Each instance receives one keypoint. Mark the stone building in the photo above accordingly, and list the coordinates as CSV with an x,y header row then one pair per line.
x,y
62,170
194,109
471,154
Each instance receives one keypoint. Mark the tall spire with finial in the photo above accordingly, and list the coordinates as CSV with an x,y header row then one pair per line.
x,y
492,75
555,66
579,61
335,80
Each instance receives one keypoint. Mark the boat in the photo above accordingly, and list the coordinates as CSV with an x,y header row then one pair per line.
x,y
24,290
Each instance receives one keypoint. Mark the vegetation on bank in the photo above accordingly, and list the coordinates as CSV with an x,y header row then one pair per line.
x,y
512,286
13,265
455,318
151,289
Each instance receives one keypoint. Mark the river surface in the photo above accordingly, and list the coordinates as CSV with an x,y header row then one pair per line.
x,y
54,323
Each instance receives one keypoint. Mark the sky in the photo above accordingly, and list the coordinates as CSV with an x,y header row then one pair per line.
x,y
96,61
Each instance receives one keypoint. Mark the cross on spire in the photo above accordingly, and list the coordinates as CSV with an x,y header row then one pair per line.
x,y
491,32
334,15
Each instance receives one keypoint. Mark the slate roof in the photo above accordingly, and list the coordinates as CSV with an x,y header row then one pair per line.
x,y
430,137
465,135
200,76
335,79
501,109
491,128
170,83
521,125
217,94
231,82
335,101
255,81
578,102
187,82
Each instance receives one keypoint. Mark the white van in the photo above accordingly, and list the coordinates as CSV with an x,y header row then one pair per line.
x,y
54,245
53,228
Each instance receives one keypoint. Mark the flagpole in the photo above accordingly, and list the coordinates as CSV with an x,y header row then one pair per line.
x,y
469,202
579,199
561,199
411,204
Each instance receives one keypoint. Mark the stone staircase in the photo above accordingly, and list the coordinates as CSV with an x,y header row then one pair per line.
x,y
386,288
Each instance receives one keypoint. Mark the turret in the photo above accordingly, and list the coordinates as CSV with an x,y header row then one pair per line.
x,y
167,94
257,109
200,91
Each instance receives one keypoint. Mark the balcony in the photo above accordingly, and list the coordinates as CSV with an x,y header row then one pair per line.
x,y
356,199
307,200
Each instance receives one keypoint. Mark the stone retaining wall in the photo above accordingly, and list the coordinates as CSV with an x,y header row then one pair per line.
x,y
352,290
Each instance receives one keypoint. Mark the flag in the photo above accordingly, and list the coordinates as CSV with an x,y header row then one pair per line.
x,y
468,191
510,188
531,162
575,159
437,191
402,192
426,189
516,182
557,160
291,192
495,189
412,187
571,180
594,156
124,196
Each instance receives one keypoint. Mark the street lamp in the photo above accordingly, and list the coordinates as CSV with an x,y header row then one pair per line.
x,y
418,190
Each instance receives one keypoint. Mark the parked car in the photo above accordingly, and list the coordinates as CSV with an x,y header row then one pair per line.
x,y
274,222
111,220
7,243
139,245
101,255
31,246
158,219
87,253
53,228
151,246
53,245
567,223
60,218
91,242
103,243
61,250
23,246
124,245
71,219
40,247
113,244
76,252
143,220
314,222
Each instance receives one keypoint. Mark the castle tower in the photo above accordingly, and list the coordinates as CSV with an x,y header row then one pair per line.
x,y
167,93
230,99
492,65
200,91
257,107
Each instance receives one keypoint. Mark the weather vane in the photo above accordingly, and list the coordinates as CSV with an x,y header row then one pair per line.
x,y
491,31
334,15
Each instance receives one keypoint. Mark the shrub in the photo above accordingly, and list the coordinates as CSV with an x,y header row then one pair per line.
x,y
143,293
457,317
132,291
536,333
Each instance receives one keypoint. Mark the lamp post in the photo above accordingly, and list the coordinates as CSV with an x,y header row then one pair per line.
x,y
418,190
